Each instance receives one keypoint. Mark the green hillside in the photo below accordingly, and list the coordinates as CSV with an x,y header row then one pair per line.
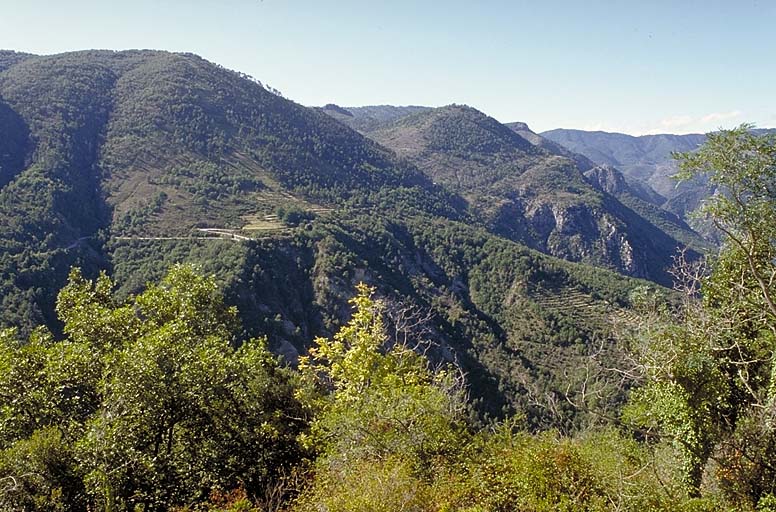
x,y
507,314
213,298
630,191
528,193
154,144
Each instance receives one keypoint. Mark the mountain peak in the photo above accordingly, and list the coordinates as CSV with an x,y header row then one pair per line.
x,y
331,107
458,128
519,126
607,179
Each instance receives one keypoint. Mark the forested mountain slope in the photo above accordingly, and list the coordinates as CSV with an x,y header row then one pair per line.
x,y
522,129
520,323
142,143
124,160
632,192
649,159
528,193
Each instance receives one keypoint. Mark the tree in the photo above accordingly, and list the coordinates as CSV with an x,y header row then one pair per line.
x,y
709,371
145,404
742,165
686,389
379,404
47,391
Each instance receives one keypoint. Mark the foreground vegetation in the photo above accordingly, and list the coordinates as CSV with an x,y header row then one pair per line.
x,y
146,405
155,402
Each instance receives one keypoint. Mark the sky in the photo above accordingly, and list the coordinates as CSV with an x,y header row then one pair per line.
x,y
637,67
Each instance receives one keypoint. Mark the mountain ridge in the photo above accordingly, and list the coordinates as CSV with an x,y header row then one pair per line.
x,y
528,191
149,143
633,155
637,195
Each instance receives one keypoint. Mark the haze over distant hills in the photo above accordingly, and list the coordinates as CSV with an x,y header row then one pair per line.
x,y
647,157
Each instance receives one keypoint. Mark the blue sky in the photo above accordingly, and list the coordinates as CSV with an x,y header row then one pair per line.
x,y
630,66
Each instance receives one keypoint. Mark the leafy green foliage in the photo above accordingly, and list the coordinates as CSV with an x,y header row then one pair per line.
x,y
145,403
38,474
597,471
156,396
374,449
383,402
293,216
743,166
709,370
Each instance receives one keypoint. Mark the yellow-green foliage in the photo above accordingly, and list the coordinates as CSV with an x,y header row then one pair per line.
x,y
601,471
370,486
382,402
392,437
146,405
507,471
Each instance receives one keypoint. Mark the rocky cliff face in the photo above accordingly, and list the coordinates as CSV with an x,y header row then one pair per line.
x,y
574,232
647,159
607,179
649,204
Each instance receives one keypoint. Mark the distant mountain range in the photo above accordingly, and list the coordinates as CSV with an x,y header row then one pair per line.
x,y
647,158
646,162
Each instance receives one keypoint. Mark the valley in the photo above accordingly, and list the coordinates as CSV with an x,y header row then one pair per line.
x,y
179,160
